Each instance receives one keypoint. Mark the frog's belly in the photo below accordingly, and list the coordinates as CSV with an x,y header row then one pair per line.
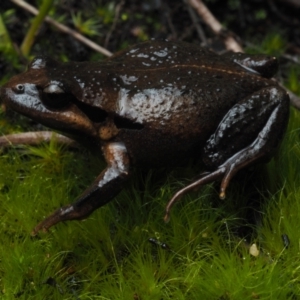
x,y
156,149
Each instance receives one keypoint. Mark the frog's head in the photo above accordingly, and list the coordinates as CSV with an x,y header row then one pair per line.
x,y
49,101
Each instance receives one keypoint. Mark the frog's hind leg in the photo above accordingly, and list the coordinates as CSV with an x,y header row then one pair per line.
x,y
204,179
249,132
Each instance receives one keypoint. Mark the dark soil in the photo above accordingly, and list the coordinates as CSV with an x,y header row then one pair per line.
x,y
249,20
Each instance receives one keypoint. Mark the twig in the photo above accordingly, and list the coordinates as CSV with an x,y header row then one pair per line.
x,y
34,138
167,12
294,3
186,32
214,24
196,23
64,28
292,58
117,13
294,99
287,19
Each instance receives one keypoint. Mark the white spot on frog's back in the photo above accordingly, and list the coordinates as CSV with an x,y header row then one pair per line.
x,y
150,104
161,53
128,79
133,50
80,82
142,55
38,63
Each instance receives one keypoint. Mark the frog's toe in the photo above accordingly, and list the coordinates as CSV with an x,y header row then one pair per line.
x,y
207,177
225,173
62,214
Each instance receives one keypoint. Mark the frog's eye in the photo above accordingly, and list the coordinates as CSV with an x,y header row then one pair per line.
x,y
19,89
54,96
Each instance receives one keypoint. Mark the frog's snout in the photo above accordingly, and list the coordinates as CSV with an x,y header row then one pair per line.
x,y
16,89
9,91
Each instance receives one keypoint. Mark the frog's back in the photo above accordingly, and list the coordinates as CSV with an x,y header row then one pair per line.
x,y
171,87
164,55
176,86
160,54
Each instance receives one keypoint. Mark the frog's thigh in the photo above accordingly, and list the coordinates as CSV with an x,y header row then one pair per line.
x,y
250,131
105,187
259,120
274,112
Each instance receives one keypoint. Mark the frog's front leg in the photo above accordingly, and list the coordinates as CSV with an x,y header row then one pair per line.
x,y
105,187
248,133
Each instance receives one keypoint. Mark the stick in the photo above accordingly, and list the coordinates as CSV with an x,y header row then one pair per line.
x,y
214,24
64,28
34,138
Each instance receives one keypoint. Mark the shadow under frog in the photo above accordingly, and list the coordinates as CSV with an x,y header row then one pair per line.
x,y
155,104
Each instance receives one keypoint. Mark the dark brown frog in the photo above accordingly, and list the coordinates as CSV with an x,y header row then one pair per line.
x,y
156,104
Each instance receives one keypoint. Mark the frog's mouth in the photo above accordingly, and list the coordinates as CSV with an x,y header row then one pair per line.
x,y
26,99
64,112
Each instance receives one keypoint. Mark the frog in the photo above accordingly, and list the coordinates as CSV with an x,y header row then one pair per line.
x,y
156,104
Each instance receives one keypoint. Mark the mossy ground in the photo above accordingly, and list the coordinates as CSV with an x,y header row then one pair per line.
x,y
109,256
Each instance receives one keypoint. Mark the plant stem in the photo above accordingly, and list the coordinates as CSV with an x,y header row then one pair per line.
x,y
5,40
64,29
36,23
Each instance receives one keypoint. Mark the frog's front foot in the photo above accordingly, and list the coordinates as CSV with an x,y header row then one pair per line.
x,y
105,187
228,150
62,214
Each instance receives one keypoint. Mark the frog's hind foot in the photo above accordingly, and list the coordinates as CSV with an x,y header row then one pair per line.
x,y
225,172
206,178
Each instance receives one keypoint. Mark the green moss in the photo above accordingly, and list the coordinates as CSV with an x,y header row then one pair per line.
x,y
108,256
273,43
